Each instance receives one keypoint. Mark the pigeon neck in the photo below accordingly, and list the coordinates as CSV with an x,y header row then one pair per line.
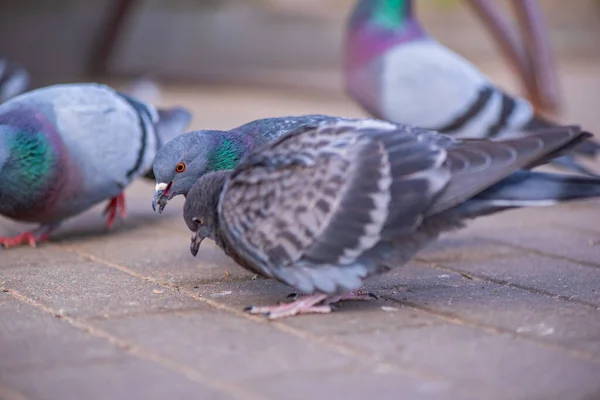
x,y
378,25
227,152
390,15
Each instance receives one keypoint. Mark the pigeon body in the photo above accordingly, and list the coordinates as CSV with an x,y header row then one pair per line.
x,y
14,79
180,162
397,72
65,148
326,206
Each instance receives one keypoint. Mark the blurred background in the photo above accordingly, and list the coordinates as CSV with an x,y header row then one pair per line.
x,y
250,55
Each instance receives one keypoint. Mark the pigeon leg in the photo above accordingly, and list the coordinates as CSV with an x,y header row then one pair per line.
x,y
304,305
357,294
41,234
114,206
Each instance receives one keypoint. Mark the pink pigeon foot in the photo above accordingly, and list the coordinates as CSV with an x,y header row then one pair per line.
x,y
311,304
115,206
304,305
32,238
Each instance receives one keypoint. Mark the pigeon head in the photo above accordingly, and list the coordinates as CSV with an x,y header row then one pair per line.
x,y
200,211
179,163
182,160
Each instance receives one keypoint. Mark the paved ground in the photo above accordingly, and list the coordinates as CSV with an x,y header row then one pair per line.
x,y
507,309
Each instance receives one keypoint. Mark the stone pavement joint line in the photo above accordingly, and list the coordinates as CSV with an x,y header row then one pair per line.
x,y
340,348
544,254
442,267
140,352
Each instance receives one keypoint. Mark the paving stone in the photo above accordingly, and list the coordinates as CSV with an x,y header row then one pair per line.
x,y
452,248
559,277
571,244
216,341
483,362
46,256
541,229
89,289
129,378
577,216
353,382
167,260
32,340
541,317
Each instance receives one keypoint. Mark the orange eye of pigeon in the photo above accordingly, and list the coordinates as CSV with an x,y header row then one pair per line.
x,y
180,167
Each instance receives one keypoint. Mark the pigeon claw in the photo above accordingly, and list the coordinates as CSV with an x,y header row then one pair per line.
x,y
115,206
25,238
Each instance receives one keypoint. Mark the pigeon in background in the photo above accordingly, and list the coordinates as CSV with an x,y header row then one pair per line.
x,y
326,206
397,72
65,148
14,79
180,162
146,89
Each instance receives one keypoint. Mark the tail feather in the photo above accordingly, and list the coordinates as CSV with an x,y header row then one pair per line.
x,y
530,189
586,148
171,123
568,162
14,79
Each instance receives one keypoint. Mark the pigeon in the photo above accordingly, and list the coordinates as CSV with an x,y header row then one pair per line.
x,y
67,147
181,161
326,206
397,72
14,79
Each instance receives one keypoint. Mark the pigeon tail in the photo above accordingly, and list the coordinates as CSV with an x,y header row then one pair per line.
x,y
530,189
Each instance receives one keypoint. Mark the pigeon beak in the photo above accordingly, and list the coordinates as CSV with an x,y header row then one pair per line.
x,y
161,196
195,241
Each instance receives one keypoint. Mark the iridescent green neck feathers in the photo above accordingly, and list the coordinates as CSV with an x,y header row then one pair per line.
x,y
226,154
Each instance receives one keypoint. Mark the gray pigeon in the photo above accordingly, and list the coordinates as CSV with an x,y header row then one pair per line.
x,y
65,148
328,205
399,73
180,162
14,79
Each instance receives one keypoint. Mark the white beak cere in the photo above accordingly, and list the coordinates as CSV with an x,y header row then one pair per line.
x,y
161,186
